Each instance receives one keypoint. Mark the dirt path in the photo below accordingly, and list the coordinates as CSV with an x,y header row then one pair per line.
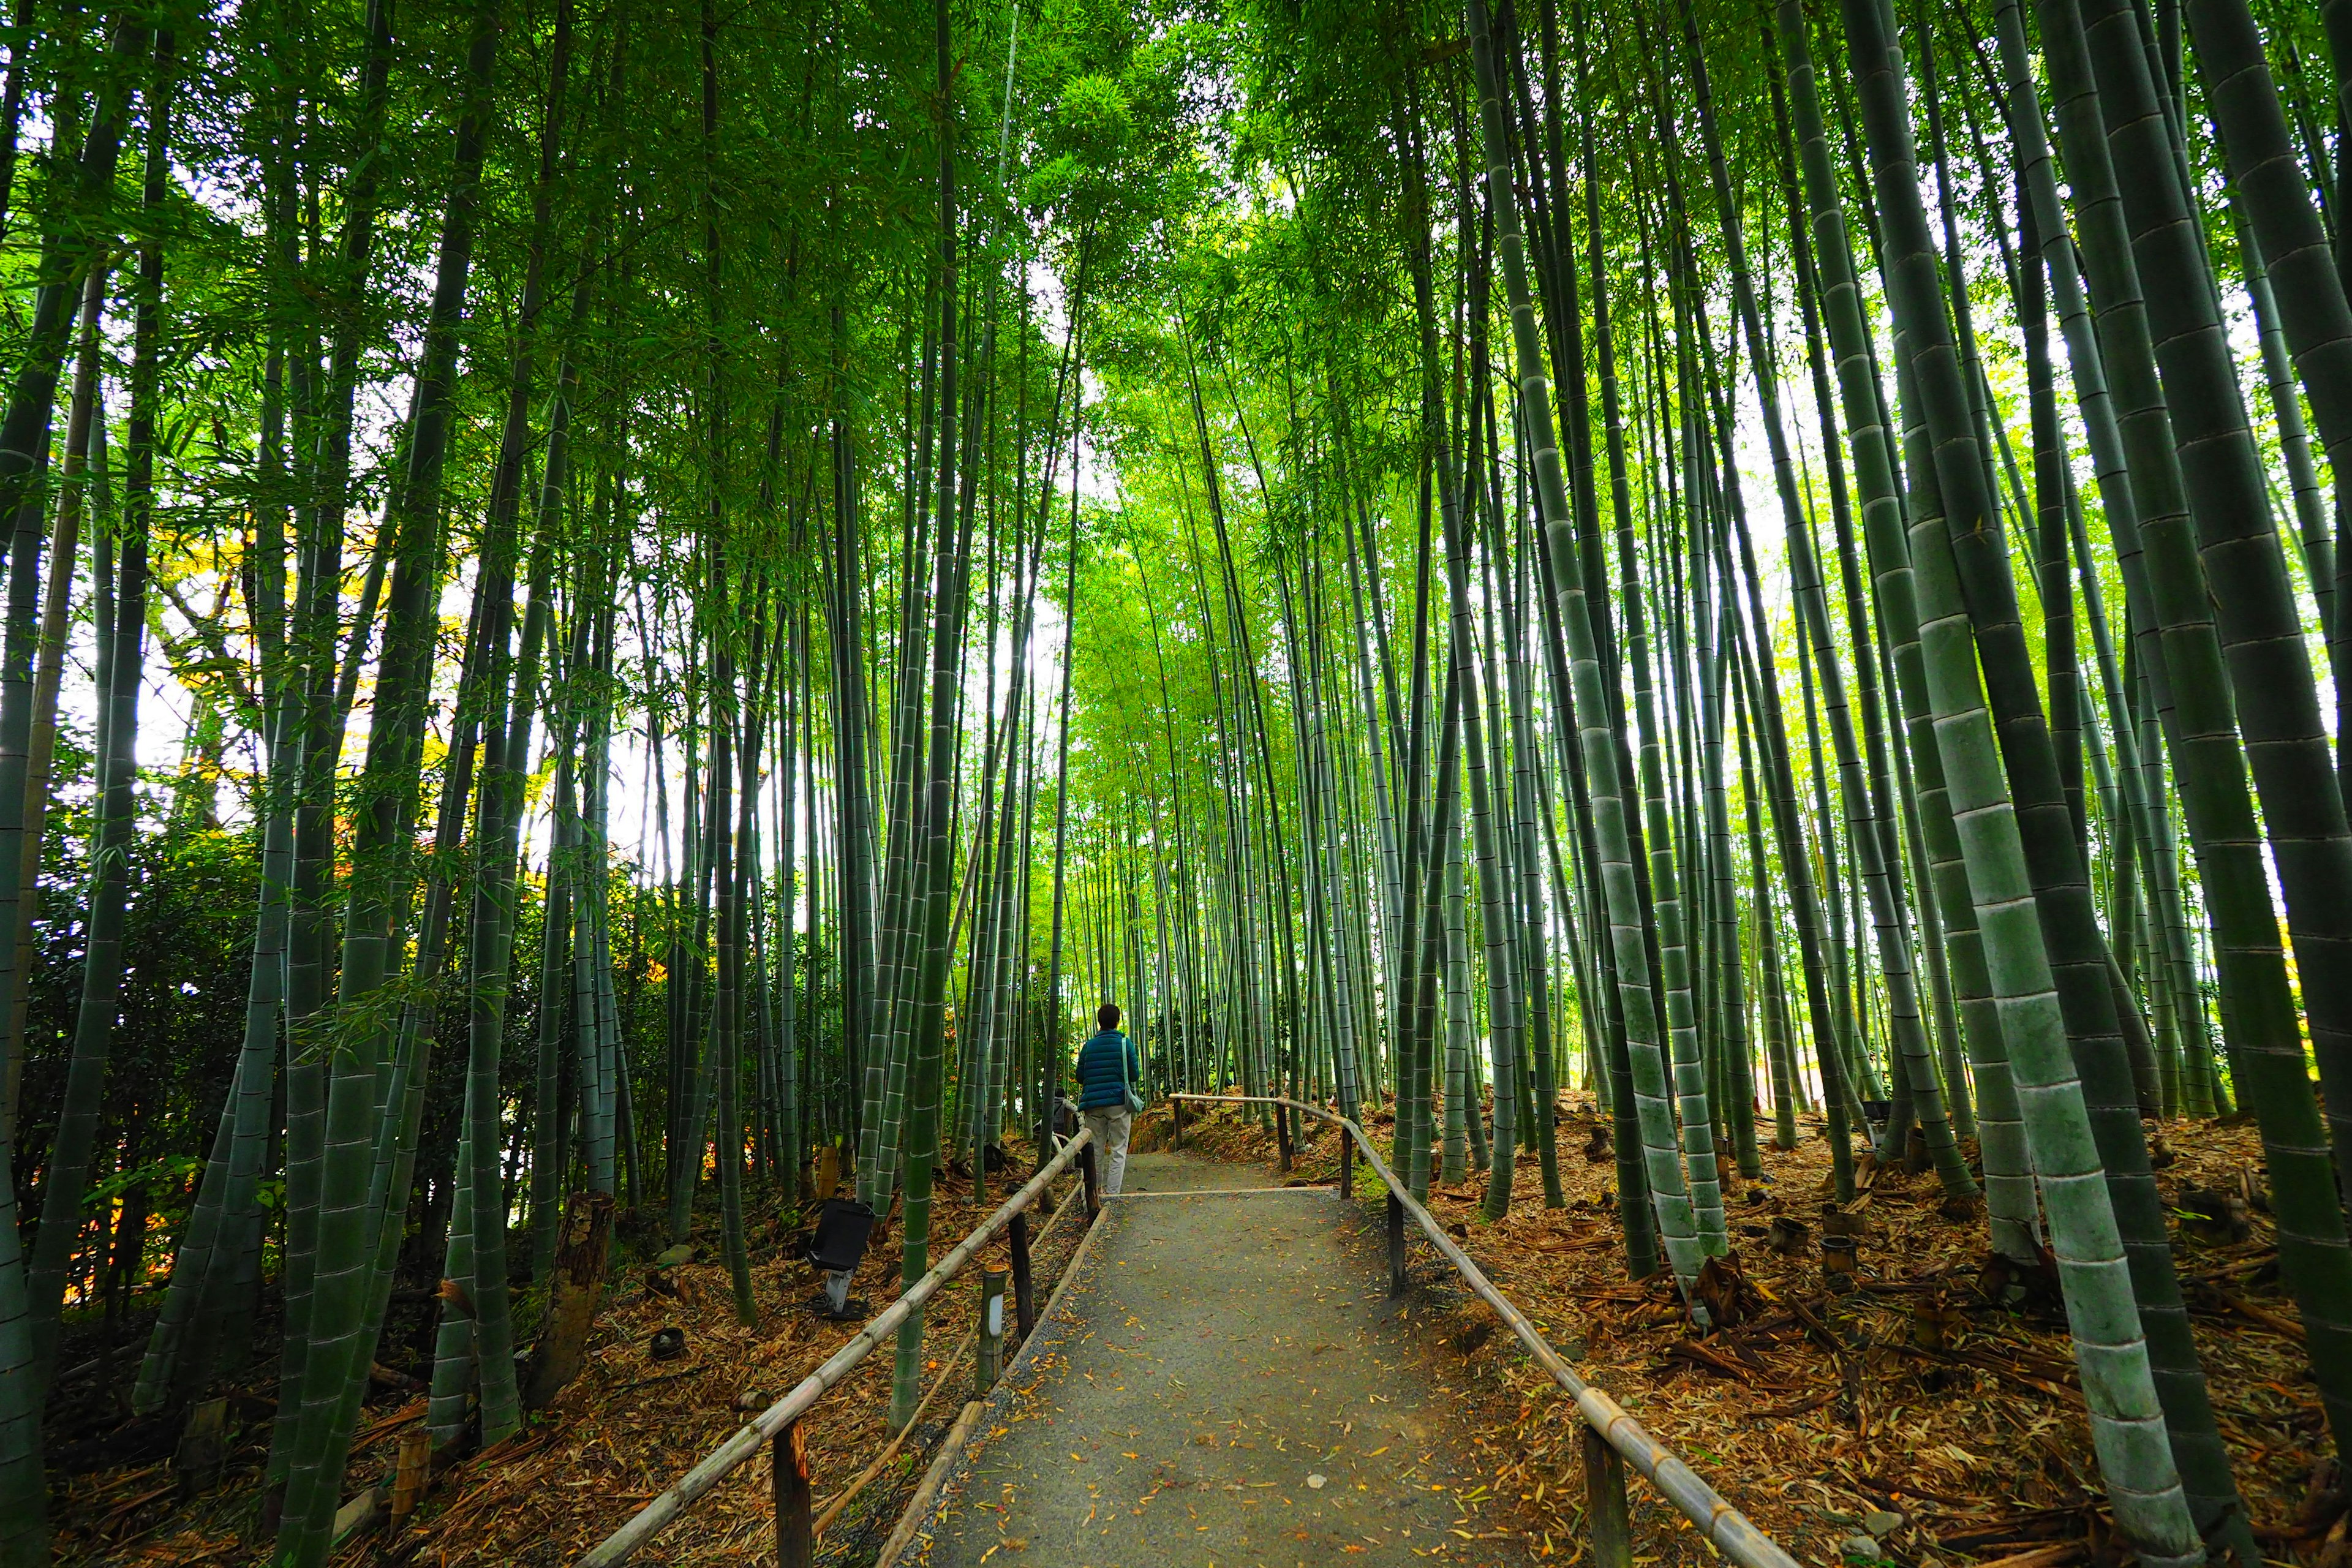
x,y
1223,1382
1167,1173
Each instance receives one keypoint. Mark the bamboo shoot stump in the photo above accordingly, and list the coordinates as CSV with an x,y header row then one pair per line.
x,y
578,1286
409,1476
203,1448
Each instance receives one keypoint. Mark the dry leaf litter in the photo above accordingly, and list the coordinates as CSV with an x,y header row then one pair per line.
x,y
1926,1413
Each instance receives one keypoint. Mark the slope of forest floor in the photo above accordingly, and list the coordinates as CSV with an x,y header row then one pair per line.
x,y
627,1428
1921,1418
1916,1420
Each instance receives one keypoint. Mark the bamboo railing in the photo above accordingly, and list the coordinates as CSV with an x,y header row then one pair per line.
x,y
777,1428
1611,1439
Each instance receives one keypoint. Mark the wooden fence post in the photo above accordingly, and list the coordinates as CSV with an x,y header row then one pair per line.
x,y
1093,1181
1605,1516
1282,1134
1396,1246
1347,1164
1176,1122
1025,1298
795,1541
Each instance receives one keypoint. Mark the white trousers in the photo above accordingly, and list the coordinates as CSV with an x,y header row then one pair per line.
x,y
1110,1125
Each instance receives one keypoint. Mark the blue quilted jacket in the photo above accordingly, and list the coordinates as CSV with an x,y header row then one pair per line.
x,y
1097,1070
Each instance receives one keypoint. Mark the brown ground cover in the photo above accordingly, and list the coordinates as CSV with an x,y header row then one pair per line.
x,y
627,1428
1927,1410
1930,1401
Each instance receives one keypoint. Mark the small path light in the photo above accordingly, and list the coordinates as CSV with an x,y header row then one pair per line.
x,y
989,1356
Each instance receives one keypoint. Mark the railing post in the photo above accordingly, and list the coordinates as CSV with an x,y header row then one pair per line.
x,y
1281,1133
788,1456
1094,1183
1605,1517
990,1353
1024,1312
1347,1164
1396,1246
1176,1122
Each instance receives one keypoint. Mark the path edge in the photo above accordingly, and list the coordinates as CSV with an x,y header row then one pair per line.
x,y
913,1526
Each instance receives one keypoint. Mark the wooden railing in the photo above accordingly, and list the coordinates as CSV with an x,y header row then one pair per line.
x,y
1612,1440
777,1428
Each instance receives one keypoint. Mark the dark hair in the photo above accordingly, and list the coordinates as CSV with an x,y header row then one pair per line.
x,y
1108,1015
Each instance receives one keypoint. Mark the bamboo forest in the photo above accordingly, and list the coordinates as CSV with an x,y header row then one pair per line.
x,y
1717,621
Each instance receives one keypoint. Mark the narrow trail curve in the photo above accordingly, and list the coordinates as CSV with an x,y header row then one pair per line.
x,y
1224,1382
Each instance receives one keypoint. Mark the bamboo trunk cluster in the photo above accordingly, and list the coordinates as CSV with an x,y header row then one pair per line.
x,y
1550,581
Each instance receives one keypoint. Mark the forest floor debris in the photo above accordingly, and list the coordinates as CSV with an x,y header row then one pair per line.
x,y
627,1428
1912,1419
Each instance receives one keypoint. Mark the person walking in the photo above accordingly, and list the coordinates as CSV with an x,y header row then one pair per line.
x,y
1109,1074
